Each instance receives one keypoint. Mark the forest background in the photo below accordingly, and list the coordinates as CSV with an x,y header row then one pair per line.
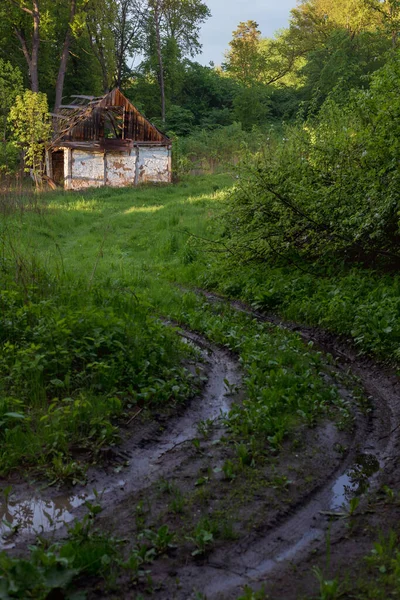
x,y
311,115
65,47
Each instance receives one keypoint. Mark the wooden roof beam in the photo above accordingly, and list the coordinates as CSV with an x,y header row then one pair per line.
x,y
72,106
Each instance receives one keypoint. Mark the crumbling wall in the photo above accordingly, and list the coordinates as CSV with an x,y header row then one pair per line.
x,y
142,164
87,169
154,165
121,168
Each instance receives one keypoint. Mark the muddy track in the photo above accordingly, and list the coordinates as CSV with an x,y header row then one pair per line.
x,y
262,554
145,454
259,559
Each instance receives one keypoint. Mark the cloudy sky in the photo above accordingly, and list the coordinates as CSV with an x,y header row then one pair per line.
x,y
227,14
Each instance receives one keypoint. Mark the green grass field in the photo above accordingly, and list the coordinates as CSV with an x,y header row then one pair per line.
x,y
86,279
129,236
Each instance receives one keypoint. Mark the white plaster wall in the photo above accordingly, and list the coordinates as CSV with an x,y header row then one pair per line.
x,y
83,169
154,165
121,168
87,169
67,168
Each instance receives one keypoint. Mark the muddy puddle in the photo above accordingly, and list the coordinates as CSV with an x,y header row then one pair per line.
x,y
35,512
36,516
355,481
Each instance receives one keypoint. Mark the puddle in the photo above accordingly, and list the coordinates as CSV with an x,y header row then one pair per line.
x,y
36,515
355,481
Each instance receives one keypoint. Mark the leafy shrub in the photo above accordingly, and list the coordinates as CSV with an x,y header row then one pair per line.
x,y
70,364
330,186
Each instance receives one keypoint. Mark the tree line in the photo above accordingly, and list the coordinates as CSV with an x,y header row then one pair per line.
x,y
148,49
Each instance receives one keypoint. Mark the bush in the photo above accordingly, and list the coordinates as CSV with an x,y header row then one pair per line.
x,y
328,187
70,364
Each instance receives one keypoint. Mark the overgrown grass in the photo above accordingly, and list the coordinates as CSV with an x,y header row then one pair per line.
x,y
84,276
73,363
359,304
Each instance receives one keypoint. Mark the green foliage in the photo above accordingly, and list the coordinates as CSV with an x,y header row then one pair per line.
x,y
57,567
216,150
355,303
329,186
250,594
252,106
329,589
30,121
244,60
283,378
161,540
11,85
203,537
70,366
380,579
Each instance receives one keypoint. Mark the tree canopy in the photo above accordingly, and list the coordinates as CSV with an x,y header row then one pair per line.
x,y
147,47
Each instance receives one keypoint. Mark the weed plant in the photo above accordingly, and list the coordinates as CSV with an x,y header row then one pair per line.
x,y
54,569
283,378
72,364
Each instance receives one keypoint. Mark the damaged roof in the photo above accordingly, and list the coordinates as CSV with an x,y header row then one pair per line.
x,y
106,122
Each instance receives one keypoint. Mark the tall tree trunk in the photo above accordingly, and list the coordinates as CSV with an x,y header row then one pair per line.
x,y
98,51
121,46
35,47
160,58
32,59
64,57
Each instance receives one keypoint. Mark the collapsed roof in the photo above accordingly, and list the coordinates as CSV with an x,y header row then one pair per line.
x,y
106,122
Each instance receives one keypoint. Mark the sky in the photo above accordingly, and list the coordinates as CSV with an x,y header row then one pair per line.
x,y
216,33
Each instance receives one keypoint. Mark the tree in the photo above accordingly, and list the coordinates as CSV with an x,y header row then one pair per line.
x,y
182,20
54,22
30,121
252,106
173,25
343,63
157,7
253,60
65,54
128,29
389,13
25,19
11,84
244,59
100,16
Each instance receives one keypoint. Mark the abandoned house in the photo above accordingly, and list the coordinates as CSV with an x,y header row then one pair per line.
x,y
106,141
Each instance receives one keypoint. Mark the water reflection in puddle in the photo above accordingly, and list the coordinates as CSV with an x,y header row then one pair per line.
x,y
355,481
37,515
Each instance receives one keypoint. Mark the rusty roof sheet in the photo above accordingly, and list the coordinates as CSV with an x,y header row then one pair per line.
x,y
96,119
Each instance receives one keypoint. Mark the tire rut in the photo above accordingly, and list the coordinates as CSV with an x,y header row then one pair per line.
x,y
30,511
253,561
259,554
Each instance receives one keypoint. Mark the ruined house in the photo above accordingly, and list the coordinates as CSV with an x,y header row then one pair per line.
x,y
106,141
